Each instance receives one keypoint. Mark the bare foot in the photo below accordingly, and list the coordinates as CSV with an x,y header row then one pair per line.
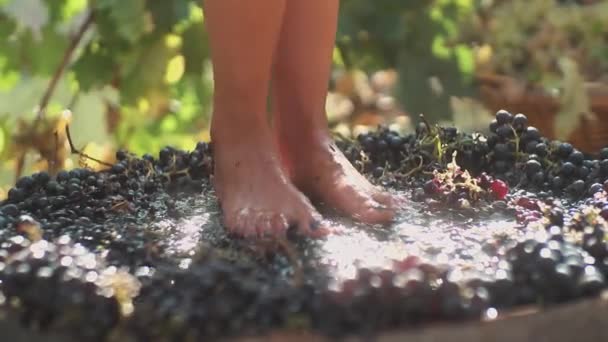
x,y
322,171
256,197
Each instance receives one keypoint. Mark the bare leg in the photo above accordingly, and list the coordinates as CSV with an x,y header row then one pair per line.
x,y
302,67
256,196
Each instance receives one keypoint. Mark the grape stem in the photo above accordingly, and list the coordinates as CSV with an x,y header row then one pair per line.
x,y
74,150
67,56
414,170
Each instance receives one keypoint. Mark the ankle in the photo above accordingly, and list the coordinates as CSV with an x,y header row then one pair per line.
x,y
244,128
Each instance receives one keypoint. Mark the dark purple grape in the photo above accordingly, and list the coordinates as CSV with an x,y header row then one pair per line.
x,y
520,121
604,166
501,166
603,153
538,178
16,195
378,171
557,183
501,151
63,176
493,126
595,187
118,168
148,157
503,117
577,187
582,172
382,145
121,155
395,141
564,149
369,144
25,183
10,210
530,147
567,169
532,166
576,157
492,140
505,132
541,150
591,282
532,133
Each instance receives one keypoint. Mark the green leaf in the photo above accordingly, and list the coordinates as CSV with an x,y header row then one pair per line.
x,y
89,116
72,7
128,16
94,68
21,100
574,101
32,15
166,14
195,48
148,71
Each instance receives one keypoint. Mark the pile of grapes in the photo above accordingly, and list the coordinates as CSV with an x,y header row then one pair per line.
x,y
80,254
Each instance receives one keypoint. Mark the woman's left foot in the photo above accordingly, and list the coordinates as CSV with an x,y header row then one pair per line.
x,y
322,171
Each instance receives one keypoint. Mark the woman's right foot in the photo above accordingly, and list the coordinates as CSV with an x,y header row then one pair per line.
x,y
256,197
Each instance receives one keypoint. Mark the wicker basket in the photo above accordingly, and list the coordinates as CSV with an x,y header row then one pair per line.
x,y
503,92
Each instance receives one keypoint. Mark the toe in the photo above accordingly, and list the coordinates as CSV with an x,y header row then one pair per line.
x,y
246,224
312,228
392,201
279,224
230,223
310,223
264,225
384,198
375,213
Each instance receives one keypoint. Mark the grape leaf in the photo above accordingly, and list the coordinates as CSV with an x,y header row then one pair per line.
x,y
149,70
128,16
167,14
89,116
574,102
21,100
195,48
31,15
94,68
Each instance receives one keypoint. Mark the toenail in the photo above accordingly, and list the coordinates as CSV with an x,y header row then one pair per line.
x,y
315,224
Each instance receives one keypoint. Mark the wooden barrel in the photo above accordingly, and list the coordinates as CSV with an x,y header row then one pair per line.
x,y
580,321
585,320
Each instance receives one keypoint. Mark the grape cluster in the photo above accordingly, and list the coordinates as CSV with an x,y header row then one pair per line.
x,y
59,287
513,151
458,189
553,271
521,155
104,209
49,284
214,299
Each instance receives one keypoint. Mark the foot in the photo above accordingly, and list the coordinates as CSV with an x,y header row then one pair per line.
x,y
322,171
256,197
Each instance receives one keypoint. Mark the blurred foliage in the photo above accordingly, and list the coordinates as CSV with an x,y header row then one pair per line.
x,y
529,39
412,37
560,46
140,77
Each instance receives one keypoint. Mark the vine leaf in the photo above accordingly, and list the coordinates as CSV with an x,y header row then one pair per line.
x,y
31,15
129,17
574,100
